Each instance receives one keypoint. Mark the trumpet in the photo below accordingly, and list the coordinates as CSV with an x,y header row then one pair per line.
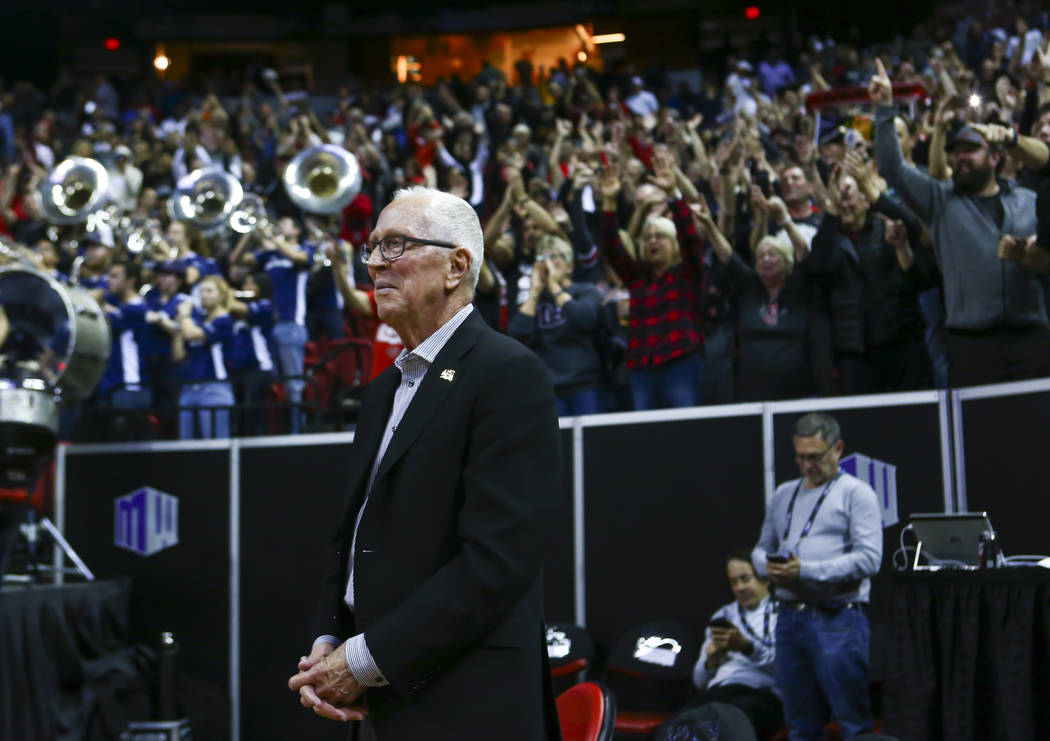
x,y
319,236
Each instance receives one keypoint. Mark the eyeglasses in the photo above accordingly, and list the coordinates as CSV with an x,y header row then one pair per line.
x,y
393,246
813,457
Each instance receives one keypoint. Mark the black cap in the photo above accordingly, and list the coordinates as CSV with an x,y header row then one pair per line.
x,y
964,135
89,240
170,266
836,135
666,649
713,721
567,644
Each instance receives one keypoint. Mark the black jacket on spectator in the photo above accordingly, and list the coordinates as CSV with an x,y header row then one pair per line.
x,y
870,299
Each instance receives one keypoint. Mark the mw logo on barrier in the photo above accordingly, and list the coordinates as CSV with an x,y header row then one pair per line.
x,y
880,476
146,521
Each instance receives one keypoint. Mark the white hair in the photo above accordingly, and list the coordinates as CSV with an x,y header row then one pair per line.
x,y
783,248
453,220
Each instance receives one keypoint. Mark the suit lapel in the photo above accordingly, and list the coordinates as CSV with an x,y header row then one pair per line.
x,y
442,376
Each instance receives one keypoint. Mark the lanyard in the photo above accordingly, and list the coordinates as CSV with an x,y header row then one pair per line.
x,y
765,639
812,515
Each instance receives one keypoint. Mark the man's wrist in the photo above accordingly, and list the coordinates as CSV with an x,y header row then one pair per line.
x,y
361,664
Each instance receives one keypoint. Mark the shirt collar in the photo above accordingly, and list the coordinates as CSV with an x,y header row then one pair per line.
x,y
428,349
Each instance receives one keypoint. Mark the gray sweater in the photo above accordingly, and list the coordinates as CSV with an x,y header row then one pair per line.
x,y
981,291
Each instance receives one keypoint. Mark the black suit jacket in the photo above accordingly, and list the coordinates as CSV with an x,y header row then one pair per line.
x,y
447,564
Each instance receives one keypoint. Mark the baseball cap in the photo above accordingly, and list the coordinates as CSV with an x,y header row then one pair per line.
x,y
172,267
836,135
964,134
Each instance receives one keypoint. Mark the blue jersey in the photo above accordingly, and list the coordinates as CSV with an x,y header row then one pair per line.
x,y
324,295
97,283
206,359
289,283
204,265
128,326
250,348
156,341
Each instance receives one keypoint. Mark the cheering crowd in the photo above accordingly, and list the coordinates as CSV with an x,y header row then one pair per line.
x,y
654,246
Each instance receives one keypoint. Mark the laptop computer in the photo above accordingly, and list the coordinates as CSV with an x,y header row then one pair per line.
x,y
949,540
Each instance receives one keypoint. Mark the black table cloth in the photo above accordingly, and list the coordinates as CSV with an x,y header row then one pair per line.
x,y
969,656
55,643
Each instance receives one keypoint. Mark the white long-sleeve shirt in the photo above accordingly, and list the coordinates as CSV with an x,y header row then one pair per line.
x,y
842,550
754,669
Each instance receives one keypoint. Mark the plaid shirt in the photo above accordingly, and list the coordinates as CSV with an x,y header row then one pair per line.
x,y
665,323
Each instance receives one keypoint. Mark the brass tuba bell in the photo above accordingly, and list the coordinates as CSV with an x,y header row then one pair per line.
x,y
72,191
322,180
205,198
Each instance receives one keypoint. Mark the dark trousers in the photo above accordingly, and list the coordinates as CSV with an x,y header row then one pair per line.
x,y
998,355
894,366
761,706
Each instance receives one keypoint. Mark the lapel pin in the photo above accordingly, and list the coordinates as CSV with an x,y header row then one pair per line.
x,y
448,374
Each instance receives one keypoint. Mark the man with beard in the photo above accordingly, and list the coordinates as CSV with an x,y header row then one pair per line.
x,y
997,317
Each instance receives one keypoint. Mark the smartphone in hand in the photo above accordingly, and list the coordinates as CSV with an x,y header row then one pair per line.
x,y
719,623
776,558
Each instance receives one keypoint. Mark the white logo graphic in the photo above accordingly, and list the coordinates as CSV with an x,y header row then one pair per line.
x,y
146,521
558,644
657,650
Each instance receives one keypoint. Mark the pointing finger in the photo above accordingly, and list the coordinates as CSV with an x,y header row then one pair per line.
x,y
880,67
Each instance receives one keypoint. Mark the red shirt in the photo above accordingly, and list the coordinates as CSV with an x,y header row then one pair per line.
x,y
664,321
386,345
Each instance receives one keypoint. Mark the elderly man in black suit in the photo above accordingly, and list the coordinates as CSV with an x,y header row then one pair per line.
x,y
435,579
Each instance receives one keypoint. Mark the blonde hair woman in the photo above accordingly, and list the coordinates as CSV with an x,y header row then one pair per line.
x,y
200,341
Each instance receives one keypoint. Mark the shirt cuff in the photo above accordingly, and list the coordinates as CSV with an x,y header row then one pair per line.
x,y
326,639
361,664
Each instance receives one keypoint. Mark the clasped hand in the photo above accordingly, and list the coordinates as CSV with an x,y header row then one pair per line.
x,y
324,683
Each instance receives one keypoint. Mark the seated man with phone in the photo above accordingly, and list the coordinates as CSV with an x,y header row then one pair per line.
x,y
736,661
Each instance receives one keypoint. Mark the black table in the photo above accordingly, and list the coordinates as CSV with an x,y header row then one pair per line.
x,y
54,642
969,655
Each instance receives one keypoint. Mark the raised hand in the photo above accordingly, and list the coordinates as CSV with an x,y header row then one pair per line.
x,y
663,176
880,88
855,165
758,200
896,234
1006,93
944,114
1042,53
778,210
702,215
